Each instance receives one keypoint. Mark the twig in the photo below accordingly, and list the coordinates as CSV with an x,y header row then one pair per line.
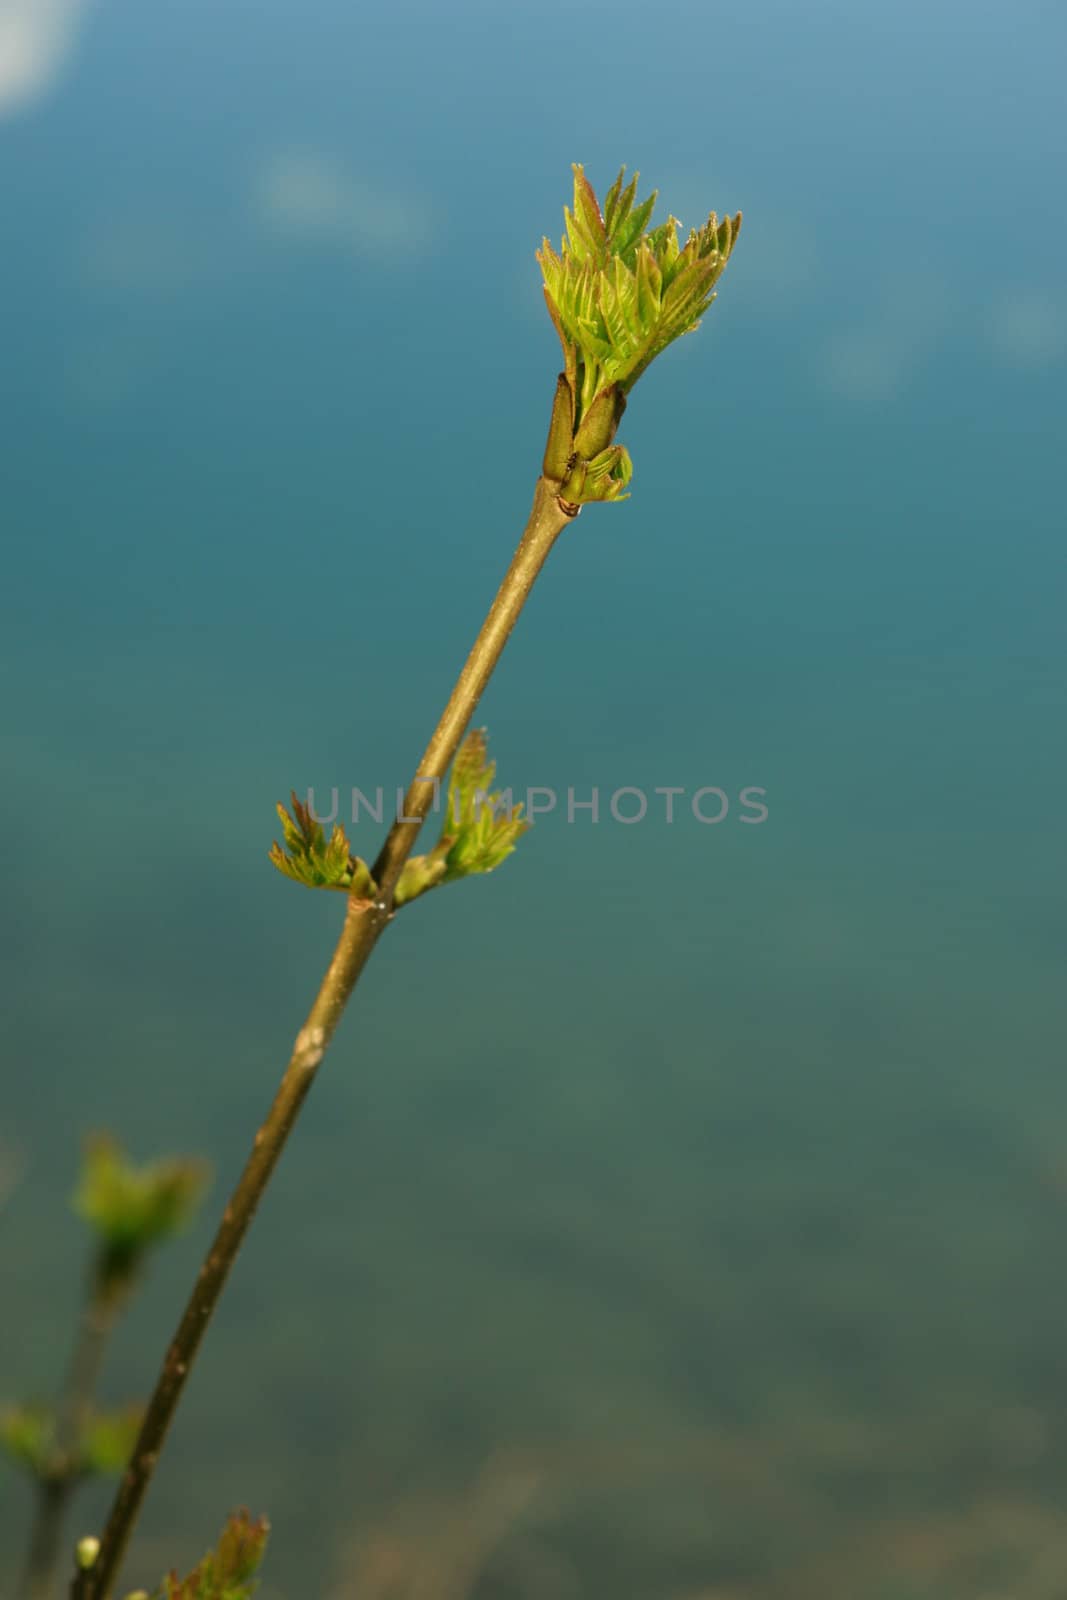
x,y
59,1480
365,921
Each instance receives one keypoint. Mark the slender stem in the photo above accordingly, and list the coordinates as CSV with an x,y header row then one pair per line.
x,y
57,1484
364,923
542,530
45,1538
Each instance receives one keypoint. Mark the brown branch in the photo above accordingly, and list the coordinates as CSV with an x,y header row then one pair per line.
x,y
365,921
61,1475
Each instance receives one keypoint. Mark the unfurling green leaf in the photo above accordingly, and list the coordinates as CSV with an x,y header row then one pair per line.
x,y
480,829
312,859
229,1571
131,1208
618,296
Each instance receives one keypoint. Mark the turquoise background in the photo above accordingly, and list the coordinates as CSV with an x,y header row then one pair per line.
x,y
681,1213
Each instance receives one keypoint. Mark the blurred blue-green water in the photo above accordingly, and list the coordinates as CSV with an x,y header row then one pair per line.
x,y
712,1176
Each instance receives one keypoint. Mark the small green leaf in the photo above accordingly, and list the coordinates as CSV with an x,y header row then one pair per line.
x,y
310,858
585,227
617,204
480,829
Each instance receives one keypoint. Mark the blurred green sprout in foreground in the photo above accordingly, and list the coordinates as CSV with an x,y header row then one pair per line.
x,y
129,1210
229,1571
30,1436
132,1209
